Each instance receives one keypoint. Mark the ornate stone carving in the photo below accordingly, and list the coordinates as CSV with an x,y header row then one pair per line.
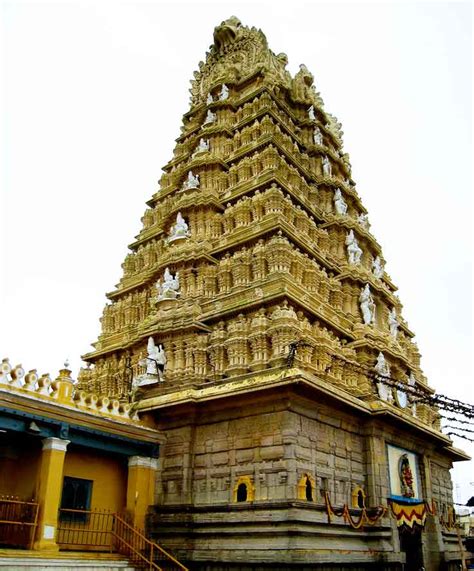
x,y
382,368
168,287
180,230
318,138
154,363
339,202
224,94
327,168
354,252
202,147
367,305
335,128
237,52
363,220
210,118
238,266
393,323
192,181
377,267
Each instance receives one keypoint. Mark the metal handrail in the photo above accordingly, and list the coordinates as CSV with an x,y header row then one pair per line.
x,y
92,528
14,520
139,540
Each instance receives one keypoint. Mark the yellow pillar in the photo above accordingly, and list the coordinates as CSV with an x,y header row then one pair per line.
x,y
49,489
140,487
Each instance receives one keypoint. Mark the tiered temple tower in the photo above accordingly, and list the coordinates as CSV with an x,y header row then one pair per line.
x,y
251,318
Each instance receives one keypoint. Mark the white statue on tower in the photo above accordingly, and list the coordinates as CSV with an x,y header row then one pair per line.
x,y
354,251
210,117
203,146
363,220
180,230
191,182
367,305
377,267
154,362
327,169
318,137
393,323
339,202
224,94
311,115
209,99
382,368
169,288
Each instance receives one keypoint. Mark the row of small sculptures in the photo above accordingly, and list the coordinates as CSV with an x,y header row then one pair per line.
x,y
155,362
168,288
181,229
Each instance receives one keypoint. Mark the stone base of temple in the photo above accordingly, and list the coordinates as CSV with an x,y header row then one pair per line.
x,y
271,535
297,567
291,478
284,536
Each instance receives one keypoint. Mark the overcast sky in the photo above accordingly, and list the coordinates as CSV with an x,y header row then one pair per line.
x,y
92,95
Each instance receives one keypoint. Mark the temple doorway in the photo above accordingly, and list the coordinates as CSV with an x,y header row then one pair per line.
x,y
410,544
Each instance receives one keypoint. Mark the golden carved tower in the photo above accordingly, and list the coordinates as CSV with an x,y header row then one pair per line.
x,y
263,186
254,309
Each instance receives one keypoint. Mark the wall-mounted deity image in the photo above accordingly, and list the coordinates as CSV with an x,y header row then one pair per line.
x,y
406,477
404,474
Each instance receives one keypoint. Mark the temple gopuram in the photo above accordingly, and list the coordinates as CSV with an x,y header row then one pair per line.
x,y
256,329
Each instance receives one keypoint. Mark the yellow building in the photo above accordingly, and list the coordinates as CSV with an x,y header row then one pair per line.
x,y
77,470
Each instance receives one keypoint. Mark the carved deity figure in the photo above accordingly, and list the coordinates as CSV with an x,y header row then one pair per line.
x,y
393,323
339,202
311,115
327,169
179,230
367,305
406,477
382,368
363,220
318,138
155,360
210,117
169,287
412,383
224,94
377,267
209,99
191,182
354,251
203,146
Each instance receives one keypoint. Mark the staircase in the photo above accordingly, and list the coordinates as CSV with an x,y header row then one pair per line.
x,y
121,547
141,552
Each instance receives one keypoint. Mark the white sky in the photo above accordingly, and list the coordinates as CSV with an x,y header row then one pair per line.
x,y
92,95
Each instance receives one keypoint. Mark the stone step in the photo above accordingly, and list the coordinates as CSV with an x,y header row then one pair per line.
x,y
63,564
